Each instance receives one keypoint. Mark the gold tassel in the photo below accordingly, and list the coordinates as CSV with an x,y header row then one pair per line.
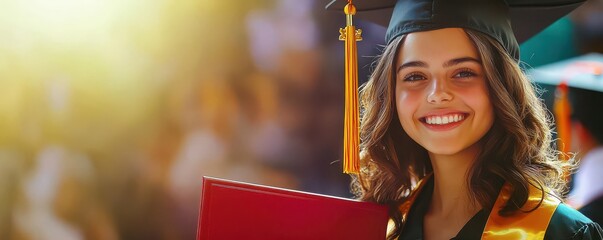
x,y
562,115
351,142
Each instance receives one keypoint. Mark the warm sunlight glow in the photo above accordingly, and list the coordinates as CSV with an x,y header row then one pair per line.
x,y
61,20
81,69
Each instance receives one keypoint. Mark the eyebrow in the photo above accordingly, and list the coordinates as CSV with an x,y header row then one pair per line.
x,y
449,63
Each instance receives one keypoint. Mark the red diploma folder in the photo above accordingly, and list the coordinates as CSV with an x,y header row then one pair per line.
x,y
236,210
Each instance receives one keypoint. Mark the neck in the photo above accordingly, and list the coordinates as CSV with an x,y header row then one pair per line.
x,y
450,193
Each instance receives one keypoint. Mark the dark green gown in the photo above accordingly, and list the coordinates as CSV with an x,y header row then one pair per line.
x,y
594,210
565,224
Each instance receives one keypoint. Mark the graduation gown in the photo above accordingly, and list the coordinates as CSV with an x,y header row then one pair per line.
x,y
566,223
594,210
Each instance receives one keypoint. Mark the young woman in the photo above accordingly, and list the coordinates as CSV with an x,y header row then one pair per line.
x,y
453,136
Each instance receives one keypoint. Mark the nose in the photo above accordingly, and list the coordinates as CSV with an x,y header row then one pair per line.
x,y
439,92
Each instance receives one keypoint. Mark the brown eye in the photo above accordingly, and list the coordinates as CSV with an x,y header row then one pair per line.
x,y
413,77
465,73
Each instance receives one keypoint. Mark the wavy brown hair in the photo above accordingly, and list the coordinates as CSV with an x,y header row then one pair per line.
x,y
517,149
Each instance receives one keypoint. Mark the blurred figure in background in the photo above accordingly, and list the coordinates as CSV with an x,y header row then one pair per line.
x,y
581,32
60,200
587,128
578,116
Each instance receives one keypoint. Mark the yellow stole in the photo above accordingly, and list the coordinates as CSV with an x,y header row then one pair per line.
x,y
520,225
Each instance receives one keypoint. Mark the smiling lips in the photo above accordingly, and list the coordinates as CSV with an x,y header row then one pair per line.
x,y
445,119
443,122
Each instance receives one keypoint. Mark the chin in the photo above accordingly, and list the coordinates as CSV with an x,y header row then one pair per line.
x,y
445,149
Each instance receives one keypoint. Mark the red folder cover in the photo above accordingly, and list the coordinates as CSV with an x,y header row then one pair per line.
x,y
236,210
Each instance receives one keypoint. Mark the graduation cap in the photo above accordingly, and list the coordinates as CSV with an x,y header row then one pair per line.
x,y
578,84
506,21
583,72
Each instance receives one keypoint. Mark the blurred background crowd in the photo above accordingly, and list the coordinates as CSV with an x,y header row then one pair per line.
x,y
112,111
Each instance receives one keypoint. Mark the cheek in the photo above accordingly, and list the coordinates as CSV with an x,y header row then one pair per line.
x,y
407,103
479,100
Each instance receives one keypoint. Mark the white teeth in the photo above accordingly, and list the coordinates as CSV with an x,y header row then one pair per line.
x,y
440,120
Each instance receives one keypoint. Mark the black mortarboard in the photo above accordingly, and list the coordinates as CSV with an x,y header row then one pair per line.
x,y
507,21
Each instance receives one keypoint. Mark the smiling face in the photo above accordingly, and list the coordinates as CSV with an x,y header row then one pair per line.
x,y
441,91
